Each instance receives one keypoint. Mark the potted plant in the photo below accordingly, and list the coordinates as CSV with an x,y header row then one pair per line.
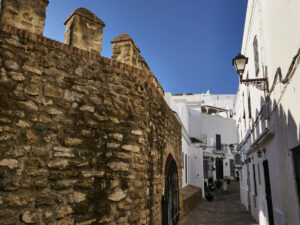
x,y
209,196
218,183
211,185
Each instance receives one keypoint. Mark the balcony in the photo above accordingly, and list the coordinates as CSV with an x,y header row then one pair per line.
x,y
220,149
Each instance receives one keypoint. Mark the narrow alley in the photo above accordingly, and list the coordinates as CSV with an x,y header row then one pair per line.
x,y
225,209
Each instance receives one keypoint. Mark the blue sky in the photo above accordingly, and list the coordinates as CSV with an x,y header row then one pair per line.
x,y
189,45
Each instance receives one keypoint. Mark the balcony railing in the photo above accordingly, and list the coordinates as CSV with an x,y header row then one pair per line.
x,y
221,149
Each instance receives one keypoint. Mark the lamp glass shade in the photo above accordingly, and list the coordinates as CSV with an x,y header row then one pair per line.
x,y
239,63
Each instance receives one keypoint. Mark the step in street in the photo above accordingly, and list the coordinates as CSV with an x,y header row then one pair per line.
x,y
225,209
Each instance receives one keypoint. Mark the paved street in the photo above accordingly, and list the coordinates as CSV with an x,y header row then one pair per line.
x,y
225,209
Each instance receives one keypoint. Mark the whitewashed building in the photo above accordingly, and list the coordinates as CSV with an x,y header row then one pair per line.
x,y
208,130
268,112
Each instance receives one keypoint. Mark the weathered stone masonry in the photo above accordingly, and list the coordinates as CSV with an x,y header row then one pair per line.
x,y
83,139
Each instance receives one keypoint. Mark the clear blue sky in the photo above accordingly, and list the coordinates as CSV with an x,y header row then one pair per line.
x,y
188,44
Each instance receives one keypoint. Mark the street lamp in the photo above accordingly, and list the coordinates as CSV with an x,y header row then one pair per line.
x,y
240,62
233,148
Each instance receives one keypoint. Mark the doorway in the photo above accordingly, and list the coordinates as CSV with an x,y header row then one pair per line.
x,y
219,169
170,200
268,192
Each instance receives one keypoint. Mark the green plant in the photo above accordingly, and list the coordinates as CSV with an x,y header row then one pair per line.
x,y
209,196
218,183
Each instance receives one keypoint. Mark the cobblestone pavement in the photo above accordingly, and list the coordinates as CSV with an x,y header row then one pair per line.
x,y
225,209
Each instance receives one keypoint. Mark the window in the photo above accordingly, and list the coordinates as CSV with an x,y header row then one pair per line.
x,y
186,170
296,159
249,105
258,168
256,58
254,178
218,142
182,160
249,100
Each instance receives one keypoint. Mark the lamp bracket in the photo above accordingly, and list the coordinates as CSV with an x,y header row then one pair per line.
x,y
259,83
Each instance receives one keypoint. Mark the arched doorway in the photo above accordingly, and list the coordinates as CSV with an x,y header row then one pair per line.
x,y
170,200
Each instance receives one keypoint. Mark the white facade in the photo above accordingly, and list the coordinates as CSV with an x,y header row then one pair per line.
x,y
269,122
199,133
182,114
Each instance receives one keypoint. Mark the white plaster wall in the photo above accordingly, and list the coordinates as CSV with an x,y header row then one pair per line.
x,y
275,23
221,101
182,112
185,151
212,125
196,167
195,122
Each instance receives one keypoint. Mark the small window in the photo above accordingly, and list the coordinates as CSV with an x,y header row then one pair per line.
x,y
256,58
218,142
249,105
258,170
186,169
182,160
254,179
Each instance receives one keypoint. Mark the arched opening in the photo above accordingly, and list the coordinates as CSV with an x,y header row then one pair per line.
x,y
170,200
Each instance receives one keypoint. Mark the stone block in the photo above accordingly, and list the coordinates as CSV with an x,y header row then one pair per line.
x,y
11,65
10,163
62,211
30,217
118,166
73,141
59,164
79,197
117,195
131,148
84,30
27,15
52,91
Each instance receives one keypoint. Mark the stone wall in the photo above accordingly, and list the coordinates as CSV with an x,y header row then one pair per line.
x,y
29,15
83,139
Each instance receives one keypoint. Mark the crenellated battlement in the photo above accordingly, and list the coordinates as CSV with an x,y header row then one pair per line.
x,y
125,50
84,30
83,35
24,34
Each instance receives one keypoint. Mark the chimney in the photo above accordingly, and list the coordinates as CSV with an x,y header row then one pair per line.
x,y
125,50
29,15
84,30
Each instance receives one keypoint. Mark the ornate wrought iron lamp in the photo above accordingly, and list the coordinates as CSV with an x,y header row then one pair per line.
x,y
240,62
